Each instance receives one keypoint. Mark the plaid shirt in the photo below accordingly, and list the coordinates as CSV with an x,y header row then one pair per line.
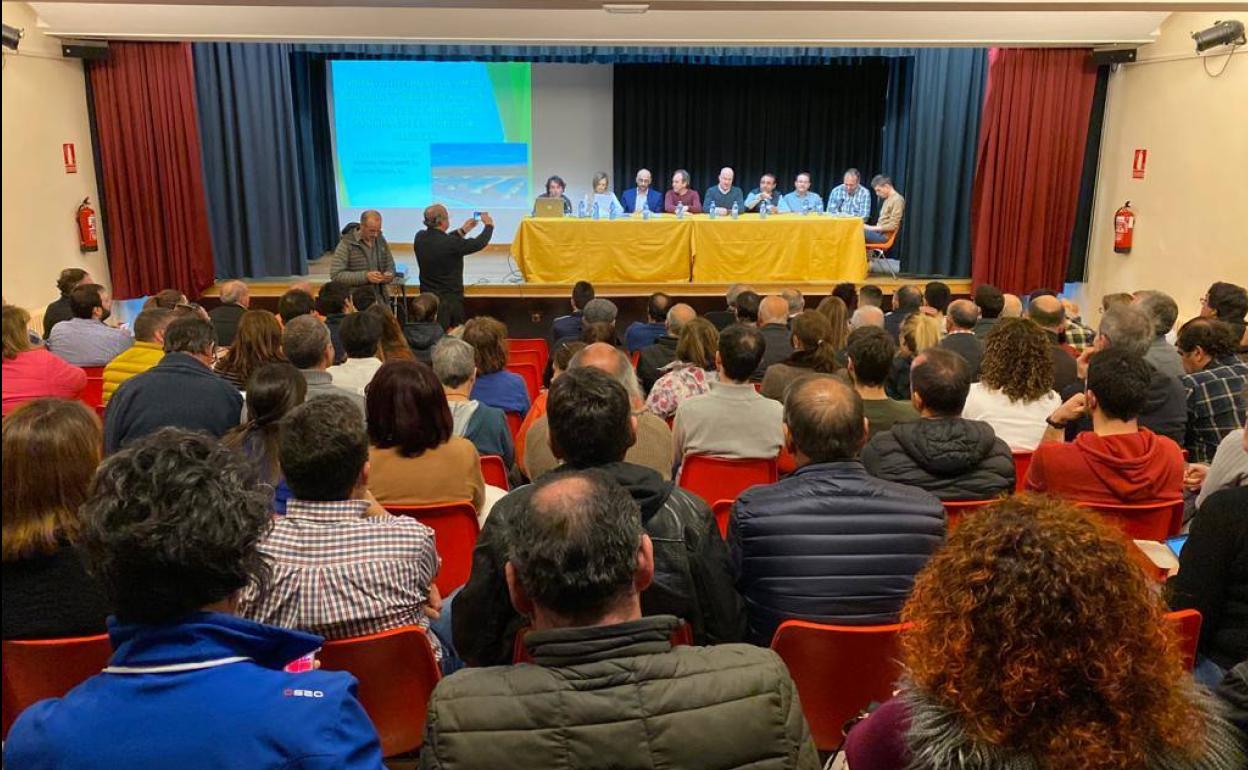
x,y
841,202
1215,405
1078,336
341,574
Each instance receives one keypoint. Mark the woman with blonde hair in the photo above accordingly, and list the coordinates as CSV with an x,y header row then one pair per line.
x,y
603,196
837,312
918,333
257,342
1015,390
813,353
30,370
693,371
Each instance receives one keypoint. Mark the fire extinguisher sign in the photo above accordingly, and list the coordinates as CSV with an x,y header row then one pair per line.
x,y
1138,163
71,159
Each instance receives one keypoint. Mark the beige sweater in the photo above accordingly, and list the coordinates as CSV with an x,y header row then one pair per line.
x,y
890,213
444,474
653,448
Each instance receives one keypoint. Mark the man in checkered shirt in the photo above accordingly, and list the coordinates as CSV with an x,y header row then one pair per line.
x,y
341,566
1215,383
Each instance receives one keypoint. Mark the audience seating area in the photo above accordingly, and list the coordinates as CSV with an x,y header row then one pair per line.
x,y
456,528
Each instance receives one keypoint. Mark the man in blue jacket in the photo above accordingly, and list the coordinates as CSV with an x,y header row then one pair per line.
x,y
171,532
642,193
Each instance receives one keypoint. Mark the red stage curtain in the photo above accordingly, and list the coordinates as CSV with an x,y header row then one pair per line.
x,y
1032,136
148,140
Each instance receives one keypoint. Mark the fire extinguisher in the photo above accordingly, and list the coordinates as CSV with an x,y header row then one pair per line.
x,y
1124,228
88,239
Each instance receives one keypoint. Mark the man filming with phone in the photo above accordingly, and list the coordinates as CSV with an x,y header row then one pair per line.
x,y
440,256
363,256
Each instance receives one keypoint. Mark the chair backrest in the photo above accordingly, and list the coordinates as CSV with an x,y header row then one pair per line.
x,y
397,672
495,472
839,671
514,421
525,357
1186,623
48,668
93,393
635,357
532,377
455,529
723,511
533,343
1147,521
956,509
1022,461
721,478
682,636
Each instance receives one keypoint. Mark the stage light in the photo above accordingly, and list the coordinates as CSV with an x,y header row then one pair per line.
x,y
1229,32
12,36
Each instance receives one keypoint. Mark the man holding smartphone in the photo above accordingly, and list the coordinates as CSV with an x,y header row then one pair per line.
x,y
440,256
363,256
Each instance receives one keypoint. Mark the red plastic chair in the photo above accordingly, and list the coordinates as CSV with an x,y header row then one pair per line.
x,y
532,377
37,669
635,357
535,344
1186,623
494,471
1147,521
93,393
397,672
839,671
721,478
956,509
456,529
525,357
1022,461
723,511
681,637
514,421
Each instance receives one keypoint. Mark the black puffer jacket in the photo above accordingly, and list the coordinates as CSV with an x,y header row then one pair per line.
x,y
692,573
953,458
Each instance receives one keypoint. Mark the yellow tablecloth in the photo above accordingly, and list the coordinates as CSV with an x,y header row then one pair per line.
x,y
783,247
553,250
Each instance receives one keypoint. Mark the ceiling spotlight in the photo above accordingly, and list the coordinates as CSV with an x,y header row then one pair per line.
x,y
12,36
1229,32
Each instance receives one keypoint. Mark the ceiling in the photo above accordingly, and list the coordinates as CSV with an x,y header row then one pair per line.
x,y
665,22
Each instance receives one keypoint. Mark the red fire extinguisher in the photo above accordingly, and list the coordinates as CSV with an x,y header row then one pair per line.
x,y
1124,228
88,239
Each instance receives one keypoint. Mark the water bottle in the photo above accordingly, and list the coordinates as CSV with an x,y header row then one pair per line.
x,y
597,214
580,209
805,206
735,210
710,210
645,210
680,210
762,209
611,211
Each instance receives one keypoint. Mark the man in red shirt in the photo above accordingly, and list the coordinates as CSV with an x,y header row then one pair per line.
x,y
1117,461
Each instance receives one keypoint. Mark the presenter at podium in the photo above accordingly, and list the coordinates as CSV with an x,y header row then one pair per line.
x,y
440,256
363,257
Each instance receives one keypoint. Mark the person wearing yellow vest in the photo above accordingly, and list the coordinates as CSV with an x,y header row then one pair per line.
x,y
146,352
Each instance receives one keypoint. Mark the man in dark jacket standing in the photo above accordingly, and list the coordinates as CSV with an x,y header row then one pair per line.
x,y
829,544
362,257
441,259
951,457
592,426
608,688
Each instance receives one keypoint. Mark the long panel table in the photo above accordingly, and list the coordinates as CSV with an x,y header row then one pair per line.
x,y
784,247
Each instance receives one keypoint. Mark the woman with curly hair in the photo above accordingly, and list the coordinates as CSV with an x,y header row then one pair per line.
x,y
1037,643
257,342
1015,390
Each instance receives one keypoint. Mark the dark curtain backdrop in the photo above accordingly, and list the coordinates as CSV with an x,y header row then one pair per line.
x,y
251,159
316,152
1032,143
780,119
143,98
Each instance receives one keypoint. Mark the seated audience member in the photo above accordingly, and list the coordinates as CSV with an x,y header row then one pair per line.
x,y
495,385
936,298
747,307
394,345
372,571
272,392
834,309
1213,578
570,325
1215,384
919,332
414,454
652,446
85,340
724,195
663,351
1233,692
599,310
994,674
867,315
454,364
333,303
1228,469
960,335
725,318
830,543
1117,461
682,195
364,297
294,303
1229,304
1078,335
795,301
773,324
47,592
692,371
871,351
423,330
1049,315
1012,306
167,299
641,334
944,453
235,299
180,392
801,200
907,302
814,352
592,426
306,345
361,341
1115,299
1163,311
30,371
146,352
180,506
599,331
634,199
848,293
892,207
557,365
732,420
991,302
579,565
59,309
1015,390
257,341
871,295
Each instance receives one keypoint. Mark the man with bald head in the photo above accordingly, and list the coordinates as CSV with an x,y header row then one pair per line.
x,y
867,315
641,334
1049,314
440,256
773,322
235,299
1013,307
830,543
643,193
724,195
960,319
658,355
363,256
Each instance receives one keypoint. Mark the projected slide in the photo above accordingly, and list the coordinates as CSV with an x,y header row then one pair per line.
x,y
407,133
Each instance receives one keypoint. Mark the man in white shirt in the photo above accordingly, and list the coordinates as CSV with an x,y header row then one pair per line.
x,y
361,341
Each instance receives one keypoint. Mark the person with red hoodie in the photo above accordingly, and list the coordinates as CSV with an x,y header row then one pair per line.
x,y
1117,461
